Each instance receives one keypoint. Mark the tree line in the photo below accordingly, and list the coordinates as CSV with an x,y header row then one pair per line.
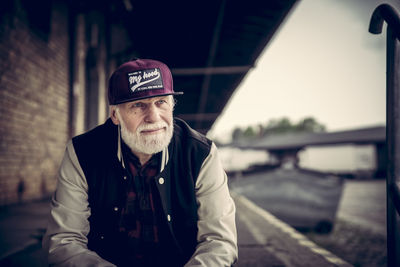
x,y
278,126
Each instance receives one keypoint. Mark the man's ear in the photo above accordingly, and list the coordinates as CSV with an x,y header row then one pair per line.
x,y
113,115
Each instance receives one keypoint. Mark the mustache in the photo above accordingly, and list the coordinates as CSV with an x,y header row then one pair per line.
x,y
152,126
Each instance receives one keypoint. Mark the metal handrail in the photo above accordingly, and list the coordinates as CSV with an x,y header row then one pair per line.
x,y
386,13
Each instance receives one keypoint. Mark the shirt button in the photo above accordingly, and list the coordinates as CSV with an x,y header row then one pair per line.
x,y
115,208
169,217
161,180
102,237
125,177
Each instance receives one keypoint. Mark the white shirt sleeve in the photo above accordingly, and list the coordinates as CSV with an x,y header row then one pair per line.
x,y
66,240
217,237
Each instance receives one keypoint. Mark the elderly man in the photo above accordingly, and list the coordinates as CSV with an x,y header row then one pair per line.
x,y
143,189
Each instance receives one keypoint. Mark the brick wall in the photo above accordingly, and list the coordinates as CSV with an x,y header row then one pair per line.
x,y
34,99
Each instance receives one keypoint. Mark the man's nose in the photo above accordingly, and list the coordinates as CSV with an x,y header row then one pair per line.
x,y
152,114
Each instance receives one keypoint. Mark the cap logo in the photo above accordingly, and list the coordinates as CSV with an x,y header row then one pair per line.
x,y
145,79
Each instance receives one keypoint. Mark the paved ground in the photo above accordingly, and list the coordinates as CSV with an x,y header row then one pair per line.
x,y
301,198
21,230
264,240
364,203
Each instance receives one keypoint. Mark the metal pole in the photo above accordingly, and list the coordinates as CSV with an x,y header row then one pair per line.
x,y
393,149
387,13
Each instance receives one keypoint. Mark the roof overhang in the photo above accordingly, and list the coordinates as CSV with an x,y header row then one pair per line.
x,y
209,45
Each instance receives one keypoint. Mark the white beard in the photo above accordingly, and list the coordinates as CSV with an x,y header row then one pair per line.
x,y
147,144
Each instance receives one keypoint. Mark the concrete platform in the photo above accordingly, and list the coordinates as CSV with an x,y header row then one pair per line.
x,y
263,239
21,229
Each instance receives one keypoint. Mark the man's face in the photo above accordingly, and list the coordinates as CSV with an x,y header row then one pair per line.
x,y
147,124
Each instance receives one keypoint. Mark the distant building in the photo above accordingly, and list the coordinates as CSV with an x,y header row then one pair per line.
x,y
347,159
235,159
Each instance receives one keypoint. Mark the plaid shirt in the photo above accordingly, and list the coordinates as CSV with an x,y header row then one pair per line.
x,y
138,223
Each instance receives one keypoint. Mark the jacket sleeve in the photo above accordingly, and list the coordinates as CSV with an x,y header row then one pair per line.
x,y
65,241
217,237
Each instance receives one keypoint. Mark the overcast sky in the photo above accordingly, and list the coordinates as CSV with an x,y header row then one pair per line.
x,y
323,63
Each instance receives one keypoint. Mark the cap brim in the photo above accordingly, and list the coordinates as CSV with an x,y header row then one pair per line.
x,y
144,97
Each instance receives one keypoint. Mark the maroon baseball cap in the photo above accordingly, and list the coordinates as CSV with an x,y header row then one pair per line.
x,y
139,79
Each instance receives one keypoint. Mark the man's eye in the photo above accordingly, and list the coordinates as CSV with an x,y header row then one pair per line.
x,y
137,105
162,101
